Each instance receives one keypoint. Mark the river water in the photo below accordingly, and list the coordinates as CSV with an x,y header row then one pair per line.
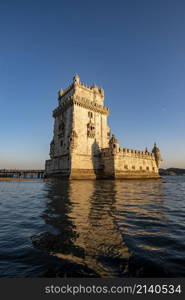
x,y
129,228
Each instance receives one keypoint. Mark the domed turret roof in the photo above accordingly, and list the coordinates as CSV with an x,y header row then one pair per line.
x,y
155,148
76,78
113,139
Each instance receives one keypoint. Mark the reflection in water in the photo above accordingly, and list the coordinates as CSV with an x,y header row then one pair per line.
x,y
87,233
93,215
115,228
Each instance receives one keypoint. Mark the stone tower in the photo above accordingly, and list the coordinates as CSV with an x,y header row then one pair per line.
x,y
82,147
80,131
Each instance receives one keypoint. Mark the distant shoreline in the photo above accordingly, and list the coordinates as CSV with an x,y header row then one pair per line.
x,y
172,172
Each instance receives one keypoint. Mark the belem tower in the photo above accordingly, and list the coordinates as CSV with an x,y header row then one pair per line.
x,y
82,147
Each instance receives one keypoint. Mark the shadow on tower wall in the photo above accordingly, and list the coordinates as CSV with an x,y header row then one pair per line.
x,y
97,162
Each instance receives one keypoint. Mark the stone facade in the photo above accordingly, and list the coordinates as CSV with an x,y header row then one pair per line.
x,y
82,147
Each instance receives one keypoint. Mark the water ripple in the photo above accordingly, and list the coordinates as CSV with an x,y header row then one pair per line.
x,y
93,228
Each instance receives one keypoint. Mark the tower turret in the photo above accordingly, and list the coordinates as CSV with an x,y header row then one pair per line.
x,y
157,154
113,143
76,79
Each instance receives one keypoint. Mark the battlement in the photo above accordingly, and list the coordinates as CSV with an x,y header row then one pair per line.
x,y
90,97
94,88
133,152
93,93
129,153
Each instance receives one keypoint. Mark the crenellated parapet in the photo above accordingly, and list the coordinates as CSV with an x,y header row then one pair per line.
x,y
136,153
94,88
62,93
129,153
93,93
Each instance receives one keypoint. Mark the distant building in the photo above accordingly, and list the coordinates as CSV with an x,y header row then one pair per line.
x,y
82,146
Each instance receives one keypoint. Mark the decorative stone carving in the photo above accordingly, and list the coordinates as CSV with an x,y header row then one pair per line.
x,y
90,129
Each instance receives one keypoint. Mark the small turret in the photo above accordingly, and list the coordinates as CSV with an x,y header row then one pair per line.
x,y
60,93
157,154
76,79
95,87
113,143
101,90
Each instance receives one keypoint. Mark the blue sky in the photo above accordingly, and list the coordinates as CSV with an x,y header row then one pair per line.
x,y
134,49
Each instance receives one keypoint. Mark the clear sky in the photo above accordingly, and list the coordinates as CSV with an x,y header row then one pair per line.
x,y
134,49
